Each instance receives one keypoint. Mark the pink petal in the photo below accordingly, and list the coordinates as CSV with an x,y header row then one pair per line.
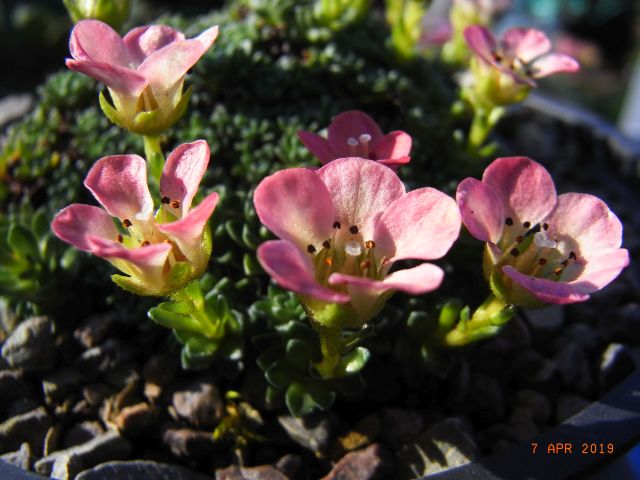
x,y
348,125
116,77
361,191
481,209
75,223
394,162
293,270
97,42
482,42
588,221
526,43
150,260
207,37
394,145
187,232
143,41
549,291
317,145
603,269
423,224
296,206
183,171
119,183
424,278
554,63
525,188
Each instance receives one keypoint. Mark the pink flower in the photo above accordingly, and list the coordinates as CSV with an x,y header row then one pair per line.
x,y
342,227
144,71
521,53
541,248
159,251
355,134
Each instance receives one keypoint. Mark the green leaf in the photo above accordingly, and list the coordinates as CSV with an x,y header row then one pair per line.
x,y
281,373
22,241
352,362
40,223
269,357
320,394
110,112
298,400
174,315
299,353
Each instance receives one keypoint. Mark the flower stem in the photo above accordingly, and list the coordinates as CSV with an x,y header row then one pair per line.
x,y
155,159
485,322
483,123
331,347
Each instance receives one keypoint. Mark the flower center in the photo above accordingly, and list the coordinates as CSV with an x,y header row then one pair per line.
x,y
359,147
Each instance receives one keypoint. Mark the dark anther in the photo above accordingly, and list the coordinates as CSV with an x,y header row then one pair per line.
x,y
519,238
364,265
564,263
126,222
353,229
515,252
337,225
165,200
120,239
370,244
311,248
145,243
175,204
508,221
326,244
572,255
497,57
526,224
542,261
545,226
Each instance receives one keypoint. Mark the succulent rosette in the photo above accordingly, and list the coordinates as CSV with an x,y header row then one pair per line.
x,y
158,251
144,71
541,248
356,134
505,70
341,229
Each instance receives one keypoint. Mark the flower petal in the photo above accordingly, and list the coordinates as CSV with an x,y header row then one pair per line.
x,y
183,171
549,291
165,67
553,63
424,278
588,221
524,186
361,191
423,224
187,232
348,125
317,145
395,145
96,41
119,183
526,43
481,209
296,206
482,42
143,41
148,262
293,270
76,222
113,76
603,269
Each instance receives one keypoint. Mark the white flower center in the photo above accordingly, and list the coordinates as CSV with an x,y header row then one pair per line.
x,y
353,248
541,240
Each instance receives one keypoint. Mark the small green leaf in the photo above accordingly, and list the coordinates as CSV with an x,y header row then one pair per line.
x,y
298,400
251,266
281,373
40,223
352,362
299,353
110,112
174,315
21,240
320,393
269,357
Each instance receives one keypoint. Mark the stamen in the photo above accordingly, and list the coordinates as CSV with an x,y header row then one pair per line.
x,y
311,248
545,226
515,252
326,244
120,238
165,200
353,229
370,244
541,240
526,224
364,138
352,142
519,238
328,261
126,223
146,243
353,248
558,270
337,225
364,265
542,261
564,263
572,255
175,204
508,221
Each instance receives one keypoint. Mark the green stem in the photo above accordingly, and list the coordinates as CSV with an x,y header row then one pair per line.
x,y
331,346
485,322
155,158
482,125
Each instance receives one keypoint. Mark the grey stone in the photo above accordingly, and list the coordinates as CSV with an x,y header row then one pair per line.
x,y
574,369
569,405
66,467
140,470
199,403
583,335
485,398
31,345
400,426
95,329
289,465
536,403
371,463
185,442
30,427
522,424
106,447
135,419
616,364
546,320
14,106
82,433
445,445
20,406
21,458
106,357
311,432
12,387
262,472
58,384
532,367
